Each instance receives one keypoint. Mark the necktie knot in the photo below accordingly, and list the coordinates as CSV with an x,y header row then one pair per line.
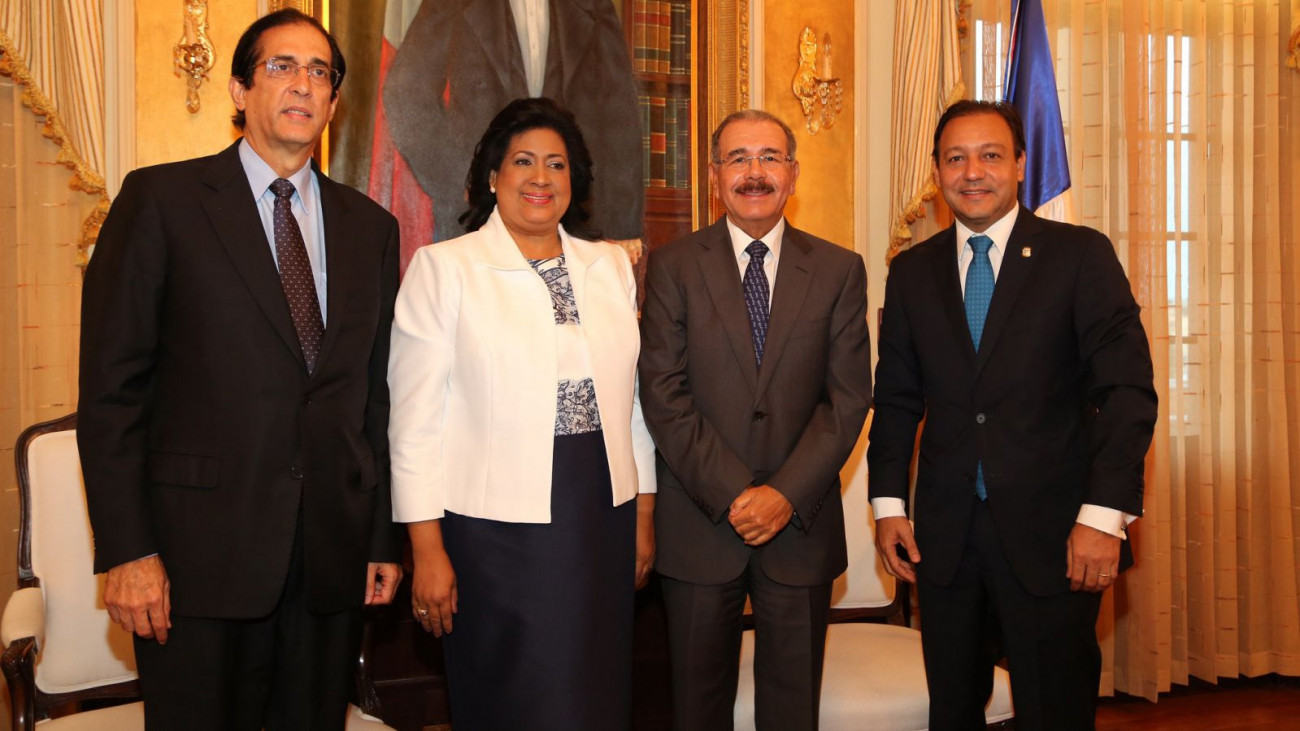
x,y
757,251
282,188
980,244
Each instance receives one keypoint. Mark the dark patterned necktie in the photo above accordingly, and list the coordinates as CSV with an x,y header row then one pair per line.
x,y
979,292
756,297
296,277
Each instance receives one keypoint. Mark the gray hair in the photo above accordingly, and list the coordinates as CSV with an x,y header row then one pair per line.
x,y
750,115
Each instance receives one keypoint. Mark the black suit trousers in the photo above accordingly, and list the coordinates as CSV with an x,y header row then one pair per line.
x,y
291,670
1050,642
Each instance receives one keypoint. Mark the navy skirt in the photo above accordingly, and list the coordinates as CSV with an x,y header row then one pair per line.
x,y
542,638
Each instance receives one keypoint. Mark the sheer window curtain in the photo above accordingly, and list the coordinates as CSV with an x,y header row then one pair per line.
x,y
1183,125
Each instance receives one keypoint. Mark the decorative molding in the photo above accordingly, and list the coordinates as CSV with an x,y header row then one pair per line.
x,y
194,59
753,64
1293,48
725,65
270,6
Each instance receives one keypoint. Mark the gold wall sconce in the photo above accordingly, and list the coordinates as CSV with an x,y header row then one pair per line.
x,y
820,95
193,54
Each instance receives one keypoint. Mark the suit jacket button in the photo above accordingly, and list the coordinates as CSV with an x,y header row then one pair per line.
x,y
980,418
295,472
759,415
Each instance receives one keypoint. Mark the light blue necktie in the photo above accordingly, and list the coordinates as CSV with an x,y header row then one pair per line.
x,y
979,292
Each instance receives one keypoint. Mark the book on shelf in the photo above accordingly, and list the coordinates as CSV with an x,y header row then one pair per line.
x,y
679,54
658,142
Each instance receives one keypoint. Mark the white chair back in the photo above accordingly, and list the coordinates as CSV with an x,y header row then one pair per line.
x,y
865,584
83,649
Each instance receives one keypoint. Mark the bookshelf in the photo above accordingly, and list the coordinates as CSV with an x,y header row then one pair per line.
x,y
660,36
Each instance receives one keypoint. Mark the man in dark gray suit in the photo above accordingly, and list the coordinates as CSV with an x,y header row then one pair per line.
x,y
755,381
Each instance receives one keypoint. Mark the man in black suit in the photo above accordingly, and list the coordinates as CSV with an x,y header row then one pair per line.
x,y
1019,343
234,408
755,381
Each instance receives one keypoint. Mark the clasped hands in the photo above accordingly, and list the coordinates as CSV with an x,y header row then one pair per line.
x,y
759,513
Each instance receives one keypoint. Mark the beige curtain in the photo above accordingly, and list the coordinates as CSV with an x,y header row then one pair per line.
x,y
1183,125
40,297
54,49
926,38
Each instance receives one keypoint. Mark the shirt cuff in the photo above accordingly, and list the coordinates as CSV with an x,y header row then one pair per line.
x,y
1106,520
888,507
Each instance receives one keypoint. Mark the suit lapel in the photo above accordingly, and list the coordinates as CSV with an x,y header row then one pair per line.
x,y
950,296
232,210
717,262
494,26
793,275
1012,276
338,235
570,37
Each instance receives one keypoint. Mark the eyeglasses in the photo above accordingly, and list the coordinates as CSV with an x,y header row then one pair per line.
x,y
766,161
318,73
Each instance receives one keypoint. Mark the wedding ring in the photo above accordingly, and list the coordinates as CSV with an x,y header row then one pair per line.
x,y
1104,576
422,611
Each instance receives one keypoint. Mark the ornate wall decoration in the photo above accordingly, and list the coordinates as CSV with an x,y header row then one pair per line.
x,y
820,93
193,54
724,87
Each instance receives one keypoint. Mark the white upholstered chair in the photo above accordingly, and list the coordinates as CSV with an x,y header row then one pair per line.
x,y
873,677
61,651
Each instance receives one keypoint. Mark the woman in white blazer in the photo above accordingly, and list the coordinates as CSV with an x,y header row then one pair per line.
x,y
521,463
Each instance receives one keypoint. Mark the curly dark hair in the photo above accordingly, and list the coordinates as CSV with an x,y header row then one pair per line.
x,y
249,50
517,117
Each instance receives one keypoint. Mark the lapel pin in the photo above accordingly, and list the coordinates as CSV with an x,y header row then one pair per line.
x,y
1026,252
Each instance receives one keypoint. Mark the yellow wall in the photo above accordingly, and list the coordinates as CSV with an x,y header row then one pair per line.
x,y
823,202
165,129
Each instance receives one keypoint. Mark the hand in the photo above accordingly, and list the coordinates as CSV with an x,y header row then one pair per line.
x,y
759,513
138,596
433,587
633,247
890,534
433,592
1092,558
645,537
381,582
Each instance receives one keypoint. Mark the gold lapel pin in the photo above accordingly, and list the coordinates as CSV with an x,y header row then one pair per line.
x,y
1026,252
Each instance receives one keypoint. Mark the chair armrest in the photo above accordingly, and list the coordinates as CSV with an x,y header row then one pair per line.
x,y
24,617
22,629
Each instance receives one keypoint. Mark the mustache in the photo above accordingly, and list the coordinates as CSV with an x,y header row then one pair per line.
x,y
756,186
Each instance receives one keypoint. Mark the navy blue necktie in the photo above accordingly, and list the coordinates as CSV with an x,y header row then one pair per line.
x,y
979,292
756,297
296,277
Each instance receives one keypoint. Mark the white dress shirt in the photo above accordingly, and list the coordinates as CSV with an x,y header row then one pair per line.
x,y
741,240
533,23
1108,520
